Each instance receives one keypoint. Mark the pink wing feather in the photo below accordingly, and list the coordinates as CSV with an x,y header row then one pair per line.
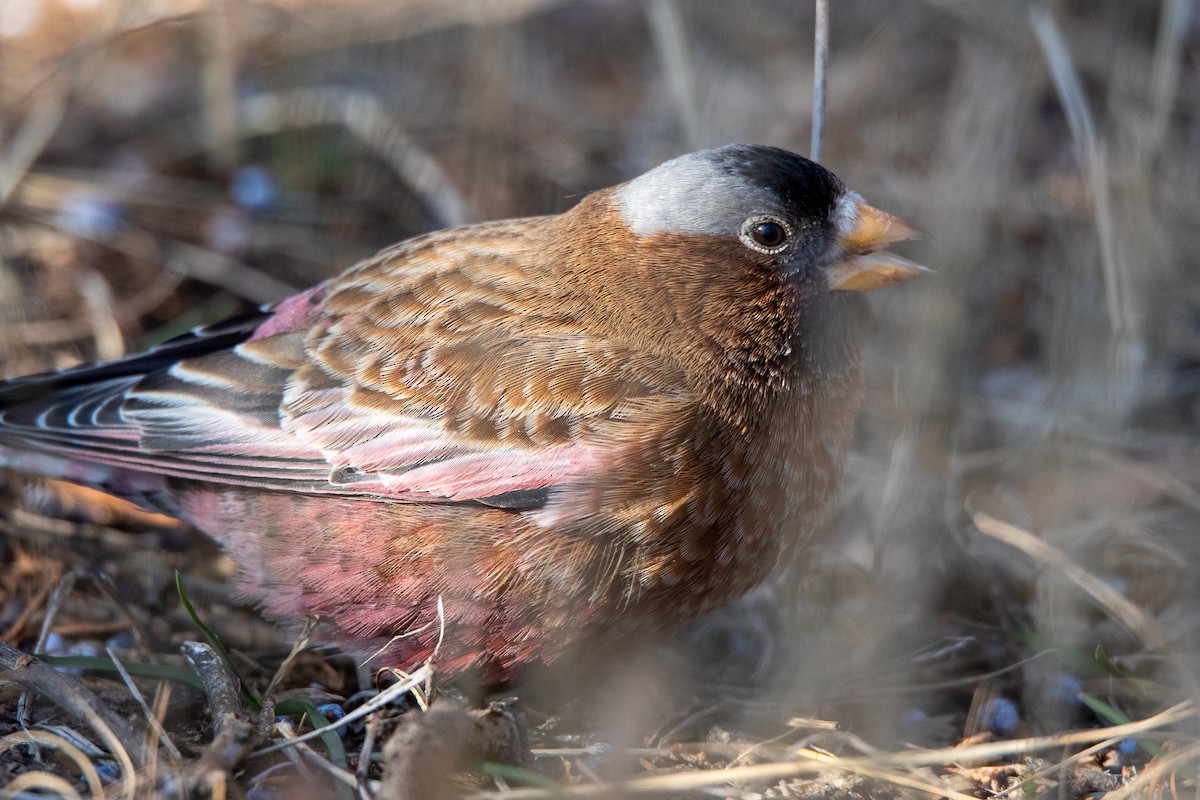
x,y
424,375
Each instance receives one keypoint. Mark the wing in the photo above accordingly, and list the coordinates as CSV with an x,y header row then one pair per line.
x,y
430,374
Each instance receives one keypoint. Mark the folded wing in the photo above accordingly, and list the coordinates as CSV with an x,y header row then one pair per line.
x,y
426,375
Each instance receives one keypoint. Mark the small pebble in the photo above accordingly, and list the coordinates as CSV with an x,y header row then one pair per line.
x,y
331,711
90,215
1001,716
252,187
1064,689
107,770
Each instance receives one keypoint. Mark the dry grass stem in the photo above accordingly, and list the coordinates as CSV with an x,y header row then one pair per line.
x,y
1135,620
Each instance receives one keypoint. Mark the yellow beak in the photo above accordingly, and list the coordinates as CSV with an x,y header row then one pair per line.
x,y
866,266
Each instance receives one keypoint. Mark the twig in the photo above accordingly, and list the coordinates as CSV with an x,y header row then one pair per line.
x,y
78,701
1032,778
98,301
812,762
1154,772
1122,316
105,586
266,716
820,60
363,774
670,40
64,586
1136,621
68,749
49,332
233,737
234,277
361,114
28,142
155,725
222,37
220,685
1168,57
389,694
53,786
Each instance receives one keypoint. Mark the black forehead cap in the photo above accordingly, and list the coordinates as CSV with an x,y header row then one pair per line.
x,y
805,187
714,191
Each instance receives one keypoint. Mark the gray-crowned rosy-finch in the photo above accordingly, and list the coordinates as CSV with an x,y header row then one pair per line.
x,y
604,420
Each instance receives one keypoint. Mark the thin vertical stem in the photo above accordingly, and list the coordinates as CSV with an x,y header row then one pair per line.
x,y
820,59
670,39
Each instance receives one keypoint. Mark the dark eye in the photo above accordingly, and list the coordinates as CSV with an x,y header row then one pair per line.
x,y
769,234
766,234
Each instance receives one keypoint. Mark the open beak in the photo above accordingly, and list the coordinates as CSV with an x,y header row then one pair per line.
x,y
866,265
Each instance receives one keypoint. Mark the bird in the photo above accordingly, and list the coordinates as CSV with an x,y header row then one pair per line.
x,y
487,443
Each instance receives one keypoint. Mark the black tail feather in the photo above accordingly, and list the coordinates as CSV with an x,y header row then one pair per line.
x,y
199,342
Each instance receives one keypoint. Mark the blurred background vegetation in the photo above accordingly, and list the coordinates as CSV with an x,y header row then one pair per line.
x,y
1017,546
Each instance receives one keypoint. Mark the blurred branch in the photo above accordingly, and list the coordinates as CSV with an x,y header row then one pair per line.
x,y
235,277
361,114
1122,316
1168,56
326,27
670,40
223,45
23,149
820,61
98,299
1136,621
1091,152
50,332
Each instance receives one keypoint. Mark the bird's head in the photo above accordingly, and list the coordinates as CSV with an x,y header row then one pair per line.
x,y
773,208
728,262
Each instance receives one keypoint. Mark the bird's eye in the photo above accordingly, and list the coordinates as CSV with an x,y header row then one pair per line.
x,y
769,234
765,234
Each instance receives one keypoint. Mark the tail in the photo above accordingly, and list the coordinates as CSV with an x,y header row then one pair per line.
x,y
62,424
28,389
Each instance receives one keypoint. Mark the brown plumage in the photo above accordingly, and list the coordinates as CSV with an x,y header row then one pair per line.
x,y
603,420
